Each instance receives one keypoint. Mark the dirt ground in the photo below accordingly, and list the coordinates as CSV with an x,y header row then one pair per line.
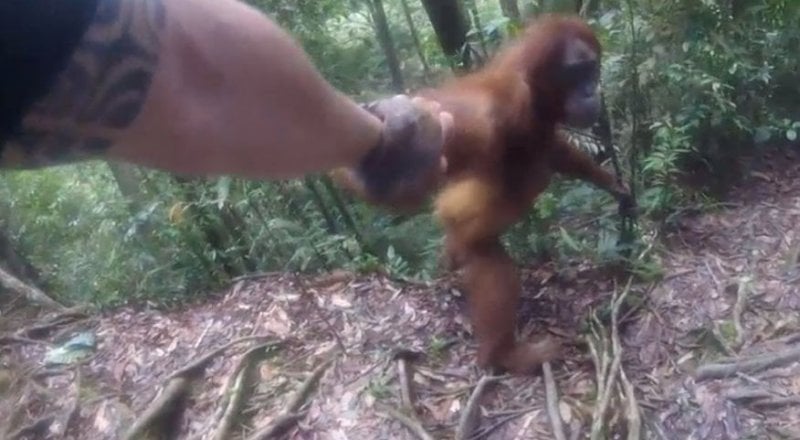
x,y
730,296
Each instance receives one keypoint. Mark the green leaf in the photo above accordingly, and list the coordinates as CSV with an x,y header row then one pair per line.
x,y
762,135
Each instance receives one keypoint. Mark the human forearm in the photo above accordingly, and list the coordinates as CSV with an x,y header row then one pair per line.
x,y
203,87
238,92
197,86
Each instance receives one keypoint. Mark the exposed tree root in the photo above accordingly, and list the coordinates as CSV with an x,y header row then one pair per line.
x,y
236,390
63,317
632,411
748,365
408,415
610,371
30,292
552,402
470,415
162,416
405,375
292,412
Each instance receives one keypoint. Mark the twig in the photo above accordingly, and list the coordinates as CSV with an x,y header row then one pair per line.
x,y
776,402
236,389
254,276
605,392
412,423
470,415
291,413
552,402
9,339
751,365
738,310
713,277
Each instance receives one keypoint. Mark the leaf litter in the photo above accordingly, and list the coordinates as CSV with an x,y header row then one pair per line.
x,y
729,301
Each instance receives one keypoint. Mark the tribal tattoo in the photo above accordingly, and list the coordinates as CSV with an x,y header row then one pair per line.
x,y
100,91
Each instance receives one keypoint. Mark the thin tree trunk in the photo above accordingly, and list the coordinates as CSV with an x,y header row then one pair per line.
x,y
387,44
415,38
476,18
451,27
510,9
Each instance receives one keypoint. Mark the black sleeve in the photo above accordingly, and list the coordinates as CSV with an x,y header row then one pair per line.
x,y
36,40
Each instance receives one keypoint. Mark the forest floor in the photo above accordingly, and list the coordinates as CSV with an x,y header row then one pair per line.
x,y
730,296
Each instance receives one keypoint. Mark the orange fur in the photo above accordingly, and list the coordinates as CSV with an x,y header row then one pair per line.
x,y
502,155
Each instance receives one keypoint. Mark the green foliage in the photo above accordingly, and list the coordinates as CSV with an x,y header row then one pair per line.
x,y
690,85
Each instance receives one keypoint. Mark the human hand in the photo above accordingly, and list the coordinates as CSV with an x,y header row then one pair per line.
x,y
408,163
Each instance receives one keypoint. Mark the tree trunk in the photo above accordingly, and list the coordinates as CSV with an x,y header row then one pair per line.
x,y
510,9
451,27
387,44
415,38
476,18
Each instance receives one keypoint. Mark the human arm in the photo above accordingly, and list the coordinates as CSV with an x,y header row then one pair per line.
x,y
199,87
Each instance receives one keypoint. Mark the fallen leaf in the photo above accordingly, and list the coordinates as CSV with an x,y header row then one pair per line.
x,y
101,422
565,411
340,302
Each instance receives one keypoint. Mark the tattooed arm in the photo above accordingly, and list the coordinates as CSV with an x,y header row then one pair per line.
x,y
192,86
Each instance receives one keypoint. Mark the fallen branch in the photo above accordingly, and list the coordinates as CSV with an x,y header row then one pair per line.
x,y
238,385
30,292
552,402
470,415
412,423
748,365
291,413
164,413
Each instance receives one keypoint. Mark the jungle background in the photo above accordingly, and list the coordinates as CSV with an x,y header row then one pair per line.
x,y
144,271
